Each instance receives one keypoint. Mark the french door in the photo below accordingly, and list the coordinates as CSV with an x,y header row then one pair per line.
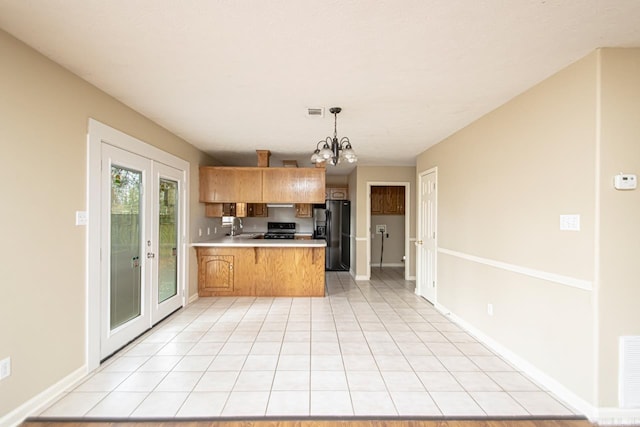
x,y
140,216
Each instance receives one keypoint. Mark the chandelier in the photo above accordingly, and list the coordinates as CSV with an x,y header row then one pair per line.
x,y
334,151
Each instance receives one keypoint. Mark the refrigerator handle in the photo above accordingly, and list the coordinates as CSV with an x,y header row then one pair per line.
x,y
328,226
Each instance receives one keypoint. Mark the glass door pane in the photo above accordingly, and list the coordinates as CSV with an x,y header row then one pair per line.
x,y
126,274
167,240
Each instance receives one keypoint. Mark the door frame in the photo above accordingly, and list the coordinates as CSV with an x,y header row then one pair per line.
x,y
420,214
407,222
99,133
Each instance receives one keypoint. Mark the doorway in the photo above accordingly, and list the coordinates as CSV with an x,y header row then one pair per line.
x,y
388,216
426,242
136,239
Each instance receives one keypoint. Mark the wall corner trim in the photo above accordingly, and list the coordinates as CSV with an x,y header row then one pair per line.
x,y
42,400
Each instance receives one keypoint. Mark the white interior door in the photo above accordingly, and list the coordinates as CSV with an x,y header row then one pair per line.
x,y
426,251
126,227
168,253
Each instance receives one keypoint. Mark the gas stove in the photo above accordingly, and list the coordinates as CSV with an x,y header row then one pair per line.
x,y
280,230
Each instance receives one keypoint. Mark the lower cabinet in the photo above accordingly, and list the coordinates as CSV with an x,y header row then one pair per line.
x,y
261,271
216,273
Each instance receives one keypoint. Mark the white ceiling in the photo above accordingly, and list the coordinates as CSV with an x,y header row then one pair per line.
x,y
234,76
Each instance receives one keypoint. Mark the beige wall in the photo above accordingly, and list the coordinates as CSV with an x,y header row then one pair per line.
x,y
358,191
503,182
45,111
619,288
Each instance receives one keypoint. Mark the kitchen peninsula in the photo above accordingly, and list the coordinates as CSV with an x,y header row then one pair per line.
x,y
247,265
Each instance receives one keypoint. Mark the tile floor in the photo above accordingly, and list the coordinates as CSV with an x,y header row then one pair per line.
x,y
368,349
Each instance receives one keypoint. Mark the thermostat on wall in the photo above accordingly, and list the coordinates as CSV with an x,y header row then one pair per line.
x,y
625,181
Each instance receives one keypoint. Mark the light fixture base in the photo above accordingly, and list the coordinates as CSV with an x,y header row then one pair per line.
x,y
335,110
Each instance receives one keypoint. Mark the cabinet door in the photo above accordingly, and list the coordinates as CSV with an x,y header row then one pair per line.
x,y
390,204
216,273
220,184
259,210
293,185
377,200
338,193
303,210
214,210
400,200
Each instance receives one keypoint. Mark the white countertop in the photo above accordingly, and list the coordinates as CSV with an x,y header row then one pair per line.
x,y
248,241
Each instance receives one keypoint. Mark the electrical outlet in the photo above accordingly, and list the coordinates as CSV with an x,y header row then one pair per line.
x,y
81,218
5,368
490,309
381,228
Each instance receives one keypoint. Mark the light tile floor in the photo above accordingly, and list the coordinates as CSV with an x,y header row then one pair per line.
x,y
368,349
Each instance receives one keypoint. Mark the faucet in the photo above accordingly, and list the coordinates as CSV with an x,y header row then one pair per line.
x,y
235,227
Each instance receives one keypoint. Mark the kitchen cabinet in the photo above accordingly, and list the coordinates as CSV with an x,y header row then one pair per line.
x,y
217,210
215,273
304,210
239,210
261,185
230,184
293,185
257,210
337,193
387,200
261,271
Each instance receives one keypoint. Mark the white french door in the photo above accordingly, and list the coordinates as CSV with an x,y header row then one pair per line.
x,y
141,219
426,243
168,254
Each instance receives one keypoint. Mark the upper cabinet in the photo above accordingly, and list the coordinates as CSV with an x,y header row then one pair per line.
x,y
387,200
230,184
261,185
293,185
337,193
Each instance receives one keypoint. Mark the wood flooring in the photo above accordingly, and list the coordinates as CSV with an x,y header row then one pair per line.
x,y
321,423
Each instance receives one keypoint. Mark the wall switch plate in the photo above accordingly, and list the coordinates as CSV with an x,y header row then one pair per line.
x,y
81,218
570,222
5,368
490,309
199,232
208,231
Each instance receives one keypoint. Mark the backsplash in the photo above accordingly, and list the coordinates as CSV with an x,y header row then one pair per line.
x,y
259,225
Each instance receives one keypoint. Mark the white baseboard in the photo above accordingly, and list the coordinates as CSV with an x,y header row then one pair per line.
x,y
361,277
41,401
618,416
193,298
536,374
411,278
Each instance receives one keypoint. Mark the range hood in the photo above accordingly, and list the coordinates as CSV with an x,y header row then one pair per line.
x,y
279,205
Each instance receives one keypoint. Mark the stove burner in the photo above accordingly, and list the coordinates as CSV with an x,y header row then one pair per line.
x,y
280,230
279,236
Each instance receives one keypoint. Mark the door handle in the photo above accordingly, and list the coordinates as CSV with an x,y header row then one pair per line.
x,y
151,255
418,242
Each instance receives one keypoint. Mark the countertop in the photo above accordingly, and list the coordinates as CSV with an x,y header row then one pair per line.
x,y
249,241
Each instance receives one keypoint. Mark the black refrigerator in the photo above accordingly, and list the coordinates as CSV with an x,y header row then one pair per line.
x,y
338,234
